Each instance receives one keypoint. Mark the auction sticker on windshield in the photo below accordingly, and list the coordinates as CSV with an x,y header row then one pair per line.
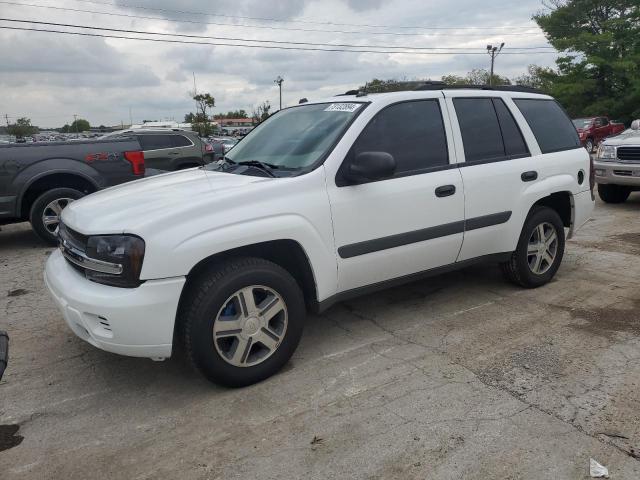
x,y
342,107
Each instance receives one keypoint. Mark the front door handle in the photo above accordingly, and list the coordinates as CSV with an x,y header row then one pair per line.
x,y
529,176
445,191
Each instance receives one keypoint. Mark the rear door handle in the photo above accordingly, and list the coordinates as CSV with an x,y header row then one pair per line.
x,y
529,176
445,191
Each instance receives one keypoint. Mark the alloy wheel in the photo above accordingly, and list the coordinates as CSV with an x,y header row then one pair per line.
x,y
250,326
542,248
51,213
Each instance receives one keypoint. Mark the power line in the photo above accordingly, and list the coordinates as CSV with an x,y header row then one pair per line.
x,y
275,47
239,25
281,20
235,39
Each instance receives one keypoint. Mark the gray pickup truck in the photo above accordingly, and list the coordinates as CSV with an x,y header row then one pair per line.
x,y
617,166
38,180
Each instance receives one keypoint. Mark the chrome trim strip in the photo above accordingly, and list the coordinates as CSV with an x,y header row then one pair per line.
x,y
79,258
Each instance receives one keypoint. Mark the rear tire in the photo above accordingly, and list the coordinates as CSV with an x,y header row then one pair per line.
x,y
613,193
227,335
45,212
540,250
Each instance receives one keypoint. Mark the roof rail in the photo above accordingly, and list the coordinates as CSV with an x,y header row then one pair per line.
x,y
502,88
439,85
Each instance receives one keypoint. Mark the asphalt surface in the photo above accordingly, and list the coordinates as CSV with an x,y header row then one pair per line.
x,y
459,376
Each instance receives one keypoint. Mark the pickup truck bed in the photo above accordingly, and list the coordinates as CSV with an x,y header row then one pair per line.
x,y
38,180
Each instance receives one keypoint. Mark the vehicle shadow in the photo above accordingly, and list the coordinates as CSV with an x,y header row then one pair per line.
x,y
19,237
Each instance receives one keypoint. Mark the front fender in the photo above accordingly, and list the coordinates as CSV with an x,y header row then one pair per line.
x,y
166,259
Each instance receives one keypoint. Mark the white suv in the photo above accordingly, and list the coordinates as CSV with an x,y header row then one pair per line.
x,y
322,202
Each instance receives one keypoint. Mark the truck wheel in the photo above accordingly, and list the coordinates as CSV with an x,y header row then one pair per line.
x,y
540,249
589,145
242,320
45,212
613,193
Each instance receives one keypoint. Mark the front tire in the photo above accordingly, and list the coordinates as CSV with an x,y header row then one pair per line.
x,y
242,320
588,144
45,212
613,193
540,250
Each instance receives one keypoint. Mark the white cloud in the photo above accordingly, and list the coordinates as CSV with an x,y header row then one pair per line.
x,y
49,77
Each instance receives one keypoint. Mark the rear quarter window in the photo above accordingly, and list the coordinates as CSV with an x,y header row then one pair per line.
x,y
551,126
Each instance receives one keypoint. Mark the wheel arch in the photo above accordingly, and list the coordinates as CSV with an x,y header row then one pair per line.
x,y
287,253
49,180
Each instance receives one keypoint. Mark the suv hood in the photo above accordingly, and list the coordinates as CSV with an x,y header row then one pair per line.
x,y
127,208
631,138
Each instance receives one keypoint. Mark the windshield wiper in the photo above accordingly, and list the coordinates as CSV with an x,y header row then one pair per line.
x,y
265,167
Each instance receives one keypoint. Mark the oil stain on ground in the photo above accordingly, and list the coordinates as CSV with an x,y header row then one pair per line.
x,y
9,437
608,321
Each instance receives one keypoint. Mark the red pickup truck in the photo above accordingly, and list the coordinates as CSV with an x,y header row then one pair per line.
x,y
595,129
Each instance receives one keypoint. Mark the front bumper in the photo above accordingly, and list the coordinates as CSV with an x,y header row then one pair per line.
x,y
137,322
617,173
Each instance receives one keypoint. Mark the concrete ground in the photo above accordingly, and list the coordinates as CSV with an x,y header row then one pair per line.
x,y
458,376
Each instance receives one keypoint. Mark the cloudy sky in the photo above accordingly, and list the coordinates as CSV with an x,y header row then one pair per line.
x,y
49,77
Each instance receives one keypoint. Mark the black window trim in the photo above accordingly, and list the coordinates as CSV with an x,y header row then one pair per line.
x,y
555,150
341,181
503,158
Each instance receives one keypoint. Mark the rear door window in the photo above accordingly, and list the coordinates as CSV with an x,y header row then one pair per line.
x,y
155,142
514,144
181,141
481,134
553,130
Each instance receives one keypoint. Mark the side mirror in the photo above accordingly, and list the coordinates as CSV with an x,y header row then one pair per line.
x,y
635,125
370,166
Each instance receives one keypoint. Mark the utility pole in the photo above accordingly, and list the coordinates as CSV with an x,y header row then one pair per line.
x,y
6,116
75,121
278,81
130,118
493,51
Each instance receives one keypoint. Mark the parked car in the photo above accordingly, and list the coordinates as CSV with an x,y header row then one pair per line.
x,y
617,166
170,149
595,129
322,202
38,180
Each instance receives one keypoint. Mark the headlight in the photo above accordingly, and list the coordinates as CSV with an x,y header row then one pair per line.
x,y
607,152
119,260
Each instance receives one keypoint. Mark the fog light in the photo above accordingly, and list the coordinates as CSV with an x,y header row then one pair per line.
x,y
600,172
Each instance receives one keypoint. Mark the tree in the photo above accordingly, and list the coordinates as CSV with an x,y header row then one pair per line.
x,y
204,102
478,76
599,71
261,112
22,128
392,85
541,78
79,125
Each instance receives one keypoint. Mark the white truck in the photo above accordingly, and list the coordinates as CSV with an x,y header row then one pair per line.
x,y
322,202
617,166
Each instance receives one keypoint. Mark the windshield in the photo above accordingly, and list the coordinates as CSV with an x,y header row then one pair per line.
x,y
297,137
582,122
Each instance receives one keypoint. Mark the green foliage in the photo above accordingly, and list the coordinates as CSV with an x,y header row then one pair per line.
x,y
392,85
478,76
261,112
598,73
77,126
541,78
234,114
22,128
201,122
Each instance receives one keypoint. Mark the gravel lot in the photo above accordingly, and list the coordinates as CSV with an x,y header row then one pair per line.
x,y
459,376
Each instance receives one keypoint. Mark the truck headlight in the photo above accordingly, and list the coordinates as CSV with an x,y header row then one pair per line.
x,y
119,258
607,152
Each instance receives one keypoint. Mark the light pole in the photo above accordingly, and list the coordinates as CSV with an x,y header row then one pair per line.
x,y
493,51
278,81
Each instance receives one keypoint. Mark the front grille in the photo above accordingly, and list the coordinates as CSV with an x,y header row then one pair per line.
x,y
72,238
629,154
623,173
